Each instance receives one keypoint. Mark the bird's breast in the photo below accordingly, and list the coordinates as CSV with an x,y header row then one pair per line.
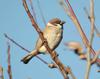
x,y
53,37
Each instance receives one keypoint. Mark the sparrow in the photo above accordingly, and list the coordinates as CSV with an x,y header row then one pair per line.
x,y
53,33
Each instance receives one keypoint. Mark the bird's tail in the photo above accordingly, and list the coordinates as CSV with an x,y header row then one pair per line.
x,y
28,57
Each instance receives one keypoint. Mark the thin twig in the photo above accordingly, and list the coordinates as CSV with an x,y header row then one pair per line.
x,y
95,28
70,72
92,20
9,63
24,48
1,72
33,11
95,58
51,65
61,2
53,54
41,12
82,34
97,31
88,67
91,39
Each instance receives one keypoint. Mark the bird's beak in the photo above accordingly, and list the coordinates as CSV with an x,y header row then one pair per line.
x,y
62,22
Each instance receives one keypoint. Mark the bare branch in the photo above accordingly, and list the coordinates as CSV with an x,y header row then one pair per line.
x,y
88,67
24,48
70,72
95,28
92,20
82,34
53,54
95,58
63,5
9,64
33,11
97,31
91,39
41,12
1,73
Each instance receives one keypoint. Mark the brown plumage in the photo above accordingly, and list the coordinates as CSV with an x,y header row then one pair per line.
x,y
53,32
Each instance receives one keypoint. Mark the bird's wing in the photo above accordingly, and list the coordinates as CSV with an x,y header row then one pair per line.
x,y
38,43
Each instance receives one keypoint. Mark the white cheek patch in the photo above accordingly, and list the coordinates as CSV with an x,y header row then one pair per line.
x,y
59,25
49,24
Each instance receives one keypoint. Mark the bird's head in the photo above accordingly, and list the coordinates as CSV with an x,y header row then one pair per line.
x,y
56,23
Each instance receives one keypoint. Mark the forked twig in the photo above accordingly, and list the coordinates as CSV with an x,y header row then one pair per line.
x,y
91,39
53,54
82,34
95,57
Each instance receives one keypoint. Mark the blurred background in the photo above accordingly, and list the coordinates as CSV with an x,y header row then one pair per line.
x,y
15,22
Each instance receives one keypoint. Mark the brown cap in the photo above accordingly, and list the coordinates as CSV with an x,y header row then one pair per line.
x,y
57,21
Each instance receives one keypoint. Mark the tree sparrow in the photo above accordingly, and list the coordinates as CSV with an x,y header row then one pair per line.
x,y
53,33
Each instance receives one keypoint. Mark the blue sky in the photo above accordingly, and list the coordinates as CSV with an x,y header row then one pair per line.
x,y
15,22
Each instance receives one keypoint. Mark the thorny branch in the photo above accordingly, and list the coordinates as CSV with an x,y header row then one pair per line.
x,y
53,54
